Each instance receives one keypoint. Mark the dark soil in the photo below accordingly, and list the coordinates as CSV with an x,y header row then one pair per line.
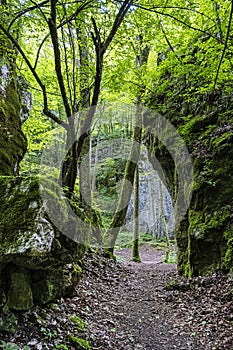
x,y
132,306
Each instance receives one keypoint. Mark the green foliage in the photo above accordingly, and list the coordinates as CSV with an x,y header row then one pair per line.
x,y
79,343
173,285
61,346
186,41
40,134
170,258
108,174
48,332
11,346
192,62
78,322
124,240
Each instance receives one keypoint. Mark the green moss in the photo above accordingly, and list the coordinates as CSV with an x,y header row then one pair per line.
x,y
79,322
20,294
228,258
193,125
188,269
44,291
205,122
12,141
79,343
77,269
226,138
173,285
16,214
29,239
202,223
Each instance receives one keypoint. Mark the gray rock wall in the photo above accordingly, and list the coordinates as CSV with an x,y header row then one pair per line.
x,y
150,217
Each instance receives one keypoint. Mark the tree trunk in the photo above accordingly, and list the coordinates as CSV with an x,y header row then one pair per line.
x,y
152,202
164,223
126,190
84,104
93,185
135,251
132,162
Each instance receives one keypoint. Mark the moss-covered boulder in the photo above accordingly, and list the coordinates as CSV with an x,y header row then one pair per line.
x,y
38,263
205,122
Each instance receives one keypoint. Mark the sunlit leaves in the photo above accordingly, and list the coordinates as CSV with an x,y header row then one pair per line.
x,y
185,38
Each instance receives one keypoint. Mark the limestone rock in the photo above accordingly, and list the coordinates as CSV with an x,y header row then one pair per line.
x,y
19,294
150,213
38,263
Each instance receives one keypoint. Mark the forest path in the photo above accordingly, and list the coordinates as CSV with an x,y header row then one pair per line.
x,y
143,318
126,306
129,308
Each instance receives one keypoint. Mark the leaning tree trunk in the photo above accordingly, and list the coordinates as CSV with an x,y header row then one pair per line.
x,y
84,165
126,190
132,162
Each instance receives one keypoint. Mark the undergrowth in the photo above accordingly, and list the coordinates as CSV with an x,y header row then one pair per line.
x,y
125,239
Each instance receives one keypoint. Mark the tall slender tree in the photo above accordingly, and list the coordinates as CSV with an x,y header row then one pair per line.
x,y
132,162
135,250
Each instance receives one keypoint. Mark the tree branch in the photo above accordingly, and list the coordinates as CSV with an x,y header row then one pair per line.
x,y
75,14
118,20
66,63
37,78
38,6
225,45
100,49
168,41
39,49
178,8
57,57
176,19
21,13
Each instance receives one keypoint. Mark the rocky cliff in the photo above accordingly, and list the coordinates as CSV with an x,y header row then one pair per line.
x,y
204,121
151,193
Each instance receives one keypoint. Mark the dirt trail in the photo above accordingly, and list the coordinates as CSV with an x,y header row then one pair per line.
x,y
133,310
143,319
126,306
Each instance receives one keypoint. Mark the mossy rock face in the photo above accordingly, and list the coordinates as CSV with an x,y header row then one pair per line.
x,y
205,235
13,143
19,293
48,285
37,262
